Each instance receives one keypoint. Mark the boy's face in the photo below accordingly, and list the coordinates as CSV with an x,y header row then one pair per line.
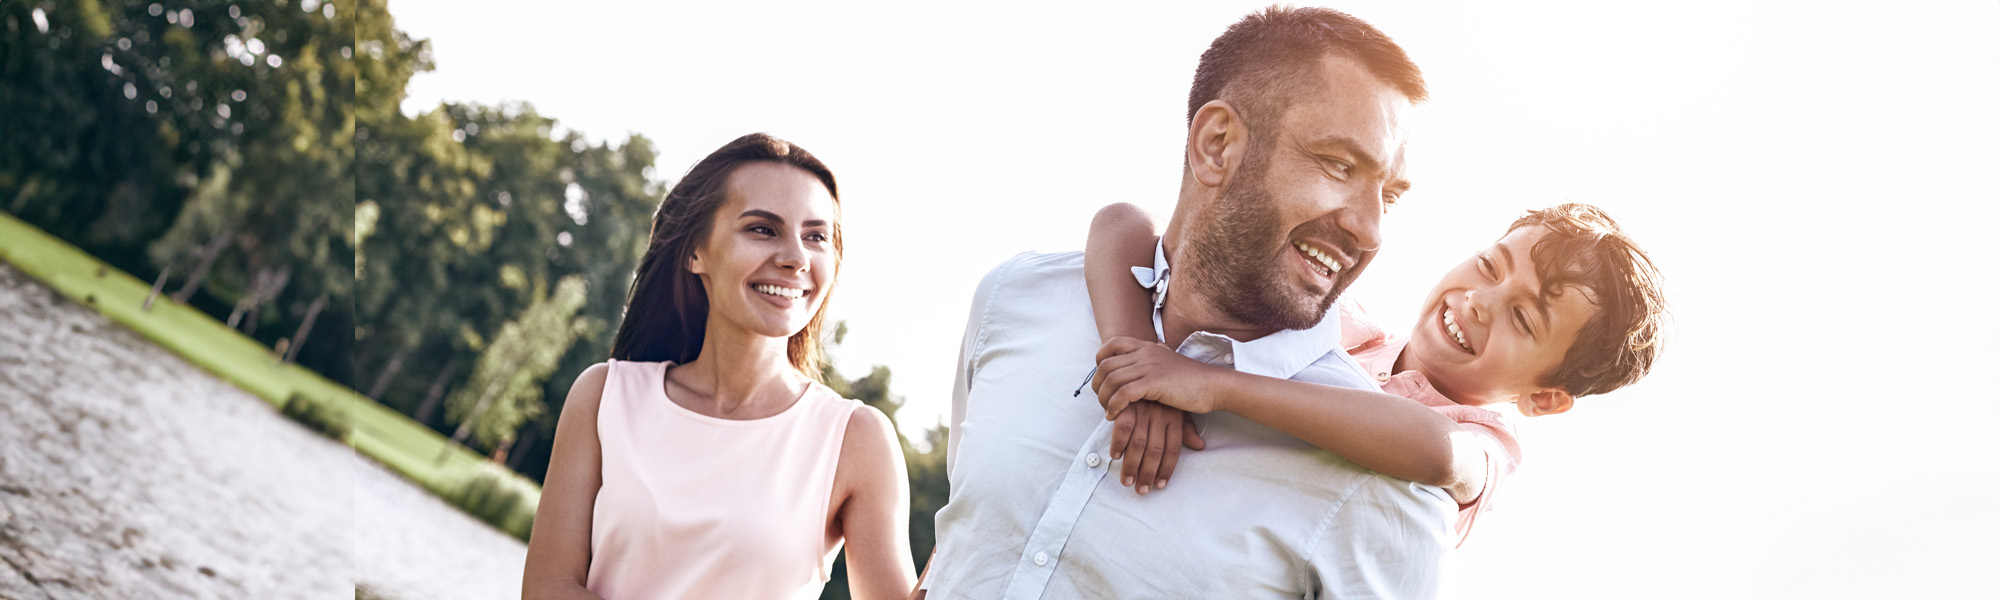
x,y
1488,334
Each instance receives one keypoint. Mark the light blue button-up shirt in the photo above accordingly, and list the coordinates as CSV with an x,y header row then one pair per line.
x,y
1035,513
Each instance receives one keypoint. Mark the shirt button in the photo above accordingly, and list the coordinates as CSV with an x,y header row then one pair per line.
x,y
1093,460
1041,558
1382,377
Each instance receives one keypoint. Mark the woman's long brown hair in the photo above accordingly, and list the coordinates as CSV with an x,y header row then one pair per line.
x,y
666,314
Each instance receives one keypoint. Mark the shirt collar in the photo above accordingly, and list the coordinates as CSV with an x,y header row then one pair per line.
x,y
1155,278
1281,354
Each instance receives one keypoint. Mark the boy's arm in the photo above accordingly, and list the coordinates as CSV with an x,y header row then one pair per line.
x,y
1149,439
1121,237
1385,433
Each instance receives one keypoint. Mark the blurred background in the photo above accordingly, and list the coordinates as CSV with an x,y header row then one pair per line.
x,y
434,208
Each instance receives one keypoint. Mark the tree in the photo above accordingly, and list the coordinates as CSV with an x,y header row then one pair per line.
x,y
929,488
506,384
215,135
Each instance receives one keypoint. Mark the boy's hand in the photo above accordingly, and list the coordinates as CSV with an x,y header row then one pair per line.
x,y
1149,436
1130,370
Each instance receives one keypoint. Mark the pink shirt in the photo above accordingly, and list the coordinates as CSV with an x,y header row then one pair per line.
x,y
693,506
1377,352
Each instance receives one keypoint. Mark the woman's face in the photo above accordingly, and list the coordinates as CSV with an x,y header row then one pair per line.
x,y
769,256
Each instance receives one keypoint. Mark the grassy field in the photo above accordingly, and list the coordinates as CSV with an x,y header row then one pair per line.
x,y
405,446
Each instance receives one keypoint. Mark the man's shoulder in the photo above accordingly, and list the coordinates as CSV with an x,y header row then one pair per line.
x,y
1030,274
1035,261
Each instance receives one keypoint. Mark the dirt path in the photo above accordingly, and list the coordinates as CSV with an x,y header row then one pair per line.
x,y
127,473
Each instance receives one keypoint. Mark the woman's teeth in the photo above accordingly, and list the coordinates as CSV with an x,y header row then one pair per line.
x,y
1328,266
782,292
1451,324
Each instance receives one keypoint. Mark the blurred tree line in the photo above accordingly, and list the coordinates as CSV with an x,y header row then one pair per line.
x,y
210,141
461,265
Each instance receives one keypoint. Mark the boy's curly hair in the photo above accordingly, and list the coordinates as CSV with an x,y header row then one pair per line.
x,y
1617,345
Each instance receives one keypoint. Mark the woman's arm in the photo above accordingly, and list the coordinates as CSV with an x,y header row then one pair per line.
x,y
875,514
559,549
1388,434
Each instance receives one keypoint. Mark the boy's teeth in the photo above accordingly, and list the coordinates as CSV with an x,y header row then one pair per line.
x,y
778,291
1451,325
1331,266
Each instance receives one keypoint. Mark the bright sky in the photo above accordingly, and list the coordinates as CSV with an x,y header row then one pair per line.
x,y
1755,169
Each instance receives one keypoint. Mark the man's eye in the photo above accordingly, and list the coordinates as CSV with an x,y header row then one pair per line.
x,y
1337,169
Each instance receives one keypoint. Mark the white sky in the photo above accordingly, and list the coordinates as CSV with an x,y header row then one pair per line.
x,y
1836,164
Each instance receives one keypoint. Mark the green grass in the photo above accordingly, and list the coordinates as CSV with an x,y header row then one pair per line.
x,y
379,432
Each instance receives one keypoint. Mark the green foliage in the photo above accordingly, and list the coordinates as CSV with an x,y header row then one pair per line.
x,y
320,416
140,130
929,489
465,208
498,499
505,389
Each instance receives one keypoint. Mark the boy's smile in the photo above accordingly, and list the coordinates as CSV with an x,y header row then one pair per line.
x,y
1490,333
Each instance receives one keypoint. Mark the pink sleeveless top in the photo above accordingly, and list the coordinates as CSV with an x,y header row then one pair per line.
x,y
693,506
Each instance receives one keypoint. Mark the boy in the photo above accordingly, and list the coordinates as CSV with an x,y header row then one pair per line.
x,y
1563,306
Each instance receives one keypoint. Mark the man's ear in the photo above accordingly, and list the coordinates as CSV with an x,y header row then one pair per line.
x,y
1217,140
1548,401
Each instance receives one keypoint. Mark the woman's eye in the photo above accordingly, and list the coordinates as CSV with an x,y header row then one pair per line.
x,y
1485,266
816,237
1521,320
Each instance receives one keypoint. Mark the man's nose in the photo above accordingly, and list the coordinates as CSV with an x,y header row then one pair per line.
x,y
1364,225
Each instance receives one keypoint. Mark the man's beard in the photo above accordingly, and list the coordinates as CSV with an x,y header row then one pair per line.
x,y
1241,271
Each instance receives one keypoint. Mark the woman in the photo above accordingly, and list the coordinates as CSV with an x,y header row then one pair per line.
x,y
705,460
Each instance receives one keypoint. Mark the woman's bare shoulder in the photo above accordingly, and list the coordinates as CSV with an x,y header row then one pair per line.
x,y
586,393
869,428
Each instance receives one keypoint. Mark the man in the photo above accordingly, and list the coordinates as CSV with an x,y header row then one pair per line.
x,y
1294,151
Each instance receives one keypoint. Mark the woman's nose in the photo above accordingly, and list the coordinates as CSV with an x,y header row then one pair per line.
x,y
793,257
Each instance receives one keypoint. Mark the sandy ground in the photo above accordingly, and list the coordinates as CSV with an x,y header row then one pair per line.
x,y
127,473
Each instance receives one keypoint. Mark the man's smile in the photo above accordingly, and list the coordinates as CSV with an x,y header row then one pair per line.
x,y
1324,262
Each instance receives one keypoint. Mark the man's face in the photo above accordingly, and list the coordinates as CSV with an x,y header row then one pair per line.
x,y
1487,332
1300,219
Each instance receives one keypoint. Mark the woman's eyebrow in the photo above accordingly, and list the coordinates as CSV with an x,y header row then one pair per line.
x,y
765,214
761,214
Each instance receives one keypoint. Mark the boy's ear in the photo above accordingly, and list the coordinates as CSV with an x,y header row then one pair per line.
x,y
1549,401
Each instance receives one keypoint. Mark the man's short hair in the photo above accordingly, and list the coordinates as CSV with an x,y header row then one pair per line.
x,y
1618,344
1270,55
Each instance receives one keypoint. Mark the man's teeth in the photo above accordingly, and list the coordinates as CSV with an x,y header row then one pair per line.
x,y
1332,266
778,291
1451,324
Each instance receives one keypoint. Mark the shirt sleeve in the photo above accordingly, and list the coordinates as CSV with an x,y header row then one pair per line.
x,y
1386,540
1503,456
968,356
